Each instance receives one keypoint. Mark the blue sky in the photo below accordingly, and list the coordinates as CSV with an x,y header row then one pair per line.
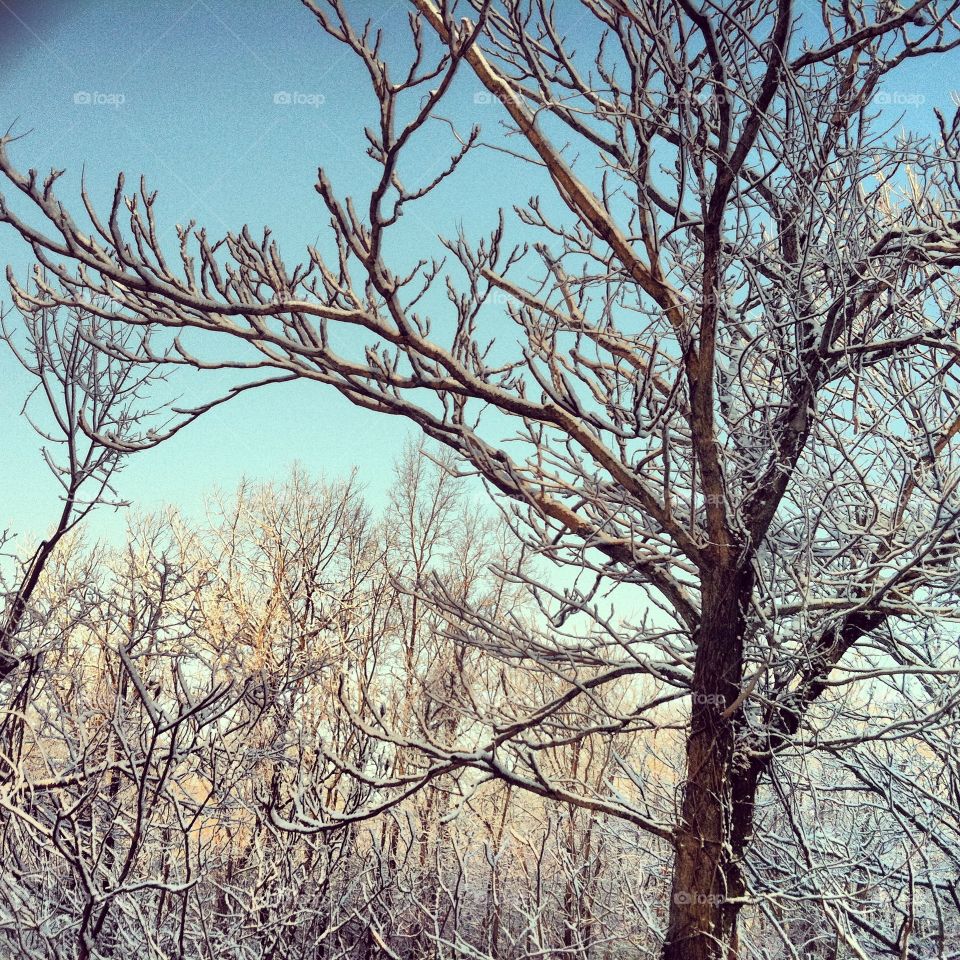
x,y
183,91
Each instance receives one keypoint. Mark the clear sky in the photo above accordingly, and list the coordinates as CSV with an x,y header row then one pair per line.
x,y
183,91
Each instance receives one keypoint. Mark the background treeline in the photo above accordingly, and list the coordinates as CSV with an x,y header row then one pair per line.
x,y
209,699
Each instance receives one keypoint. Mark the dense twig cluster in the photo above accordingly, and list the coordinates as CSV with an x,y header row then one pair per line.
x,y
730,422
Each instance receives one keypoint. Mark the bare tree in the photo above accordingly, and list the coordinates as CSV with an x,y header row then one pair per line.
x,y
731,416
190,685
83,395
77,393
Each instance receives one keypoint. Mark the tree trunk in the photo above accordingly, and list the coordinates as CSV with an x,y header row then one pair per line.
x,y
717,806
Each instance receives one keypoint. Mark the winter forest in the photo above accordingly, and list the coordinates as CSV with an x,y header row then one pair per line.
x,y
643,644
